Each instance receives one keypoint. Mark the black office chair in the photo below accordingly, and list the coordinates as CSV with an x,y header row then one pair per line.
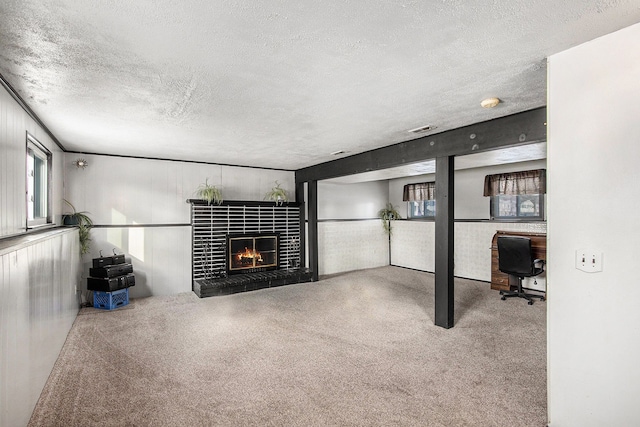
x,y
515,258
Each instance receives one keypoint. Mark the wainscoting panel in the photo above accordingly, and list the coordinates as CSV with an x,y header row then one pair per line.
x,y
472,250
38,304
413,246
351,245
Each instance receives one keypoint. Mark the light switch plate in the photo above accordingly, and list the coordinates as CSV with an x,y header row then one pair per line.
x,y
589,260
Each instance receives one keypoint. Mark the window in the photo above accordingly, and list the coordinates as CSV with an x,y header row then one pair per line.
x,y
38,180
506,206
516,195
422,209
421,199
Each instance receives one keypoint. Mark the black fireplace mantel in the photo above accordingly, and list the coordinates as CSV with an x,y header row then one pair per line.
x,y
250,203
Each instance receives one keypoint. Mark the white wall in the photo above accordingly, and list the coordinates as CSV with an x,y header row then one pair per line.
x,y
348,237
351,201
412,244
14,125
469,186
38,301
593,202
469,203
143,203
38,305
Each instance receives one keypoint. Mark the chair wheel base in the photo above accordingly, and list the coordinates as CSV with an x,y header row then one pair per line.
x,y
530,303
503,298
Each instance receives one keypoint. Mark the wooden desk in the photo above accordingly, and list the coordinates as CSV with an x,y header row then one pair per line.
x,y
500,280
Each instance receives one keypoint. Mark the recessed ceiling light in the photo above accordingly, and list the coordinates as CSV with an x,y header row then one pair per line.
x,y
335,153
422,129
490,102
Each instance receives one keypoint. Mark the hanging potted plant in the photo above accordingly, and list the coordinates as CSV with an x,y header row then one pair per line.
x,y
387,214
209,193
277,194
75,217
84,224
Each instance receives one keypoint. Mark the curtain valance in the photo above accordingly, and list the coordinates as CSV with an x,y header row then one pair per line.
x,y
419,191
513,183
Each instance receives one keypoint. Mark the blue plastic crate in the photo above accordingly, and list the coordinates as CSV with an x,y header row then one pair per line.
x,y
111,300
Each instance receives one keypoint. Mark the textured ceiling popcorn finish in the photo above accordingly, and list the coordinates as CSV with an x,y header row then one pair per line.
x,y
281,84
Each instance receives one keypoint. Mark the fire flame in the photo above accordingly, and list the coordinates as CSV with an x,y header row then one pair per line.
x,y
249,253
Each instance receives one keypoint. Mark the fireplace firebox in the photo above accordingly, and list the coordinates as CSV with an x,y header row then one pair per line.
x,y
251,253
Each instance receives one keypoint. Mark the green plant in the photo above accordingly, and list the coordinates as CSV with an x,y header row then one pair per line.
x,y
387,214
85,239
277,194
210,193
84,224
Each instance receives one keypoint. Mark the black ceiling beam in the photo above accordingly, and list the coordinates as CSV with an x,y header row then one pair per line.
x,y
517,129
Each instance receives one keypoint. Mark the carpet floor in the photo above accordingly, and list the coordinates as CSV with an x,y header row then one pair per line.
x,y
354,349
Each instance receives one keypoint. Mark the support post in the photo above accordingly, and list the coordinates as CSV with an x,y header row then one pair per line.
x,y
444,289
312,190
303,223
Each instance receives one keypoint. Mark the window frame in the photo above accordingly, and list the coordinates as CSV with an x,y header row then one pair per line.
x,y
34,149
410,209
495,200
422,193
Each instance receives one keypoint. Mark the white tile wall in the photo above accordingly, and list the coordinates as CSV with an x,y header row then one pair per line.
x,y
413,243
351,245
472,249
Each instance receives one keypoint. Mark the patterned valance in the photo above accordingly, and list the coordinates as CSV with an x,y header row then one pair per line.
x,y
419,191
513,183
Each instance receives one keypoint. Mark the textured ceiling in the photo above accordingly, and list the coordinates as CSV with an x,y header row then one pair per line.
x,y
282,84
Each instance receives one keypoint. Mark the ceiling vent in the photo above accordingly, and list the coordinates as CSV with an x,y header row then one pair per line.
x,y
422,129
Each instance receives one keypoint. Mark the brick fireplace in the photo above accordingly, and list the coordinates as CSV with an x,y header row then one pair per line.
x,y
241,246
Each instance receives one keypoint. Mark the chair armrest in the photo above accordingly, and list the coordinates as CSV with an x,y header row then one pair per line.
x,y
539,261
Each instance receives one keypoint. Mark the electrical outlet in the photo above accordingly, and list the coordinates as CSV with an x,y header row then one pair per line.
x,y
589,260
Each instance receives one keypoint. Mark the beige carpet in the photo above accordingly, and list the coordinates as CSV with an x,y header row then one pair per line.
x,y
357,349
